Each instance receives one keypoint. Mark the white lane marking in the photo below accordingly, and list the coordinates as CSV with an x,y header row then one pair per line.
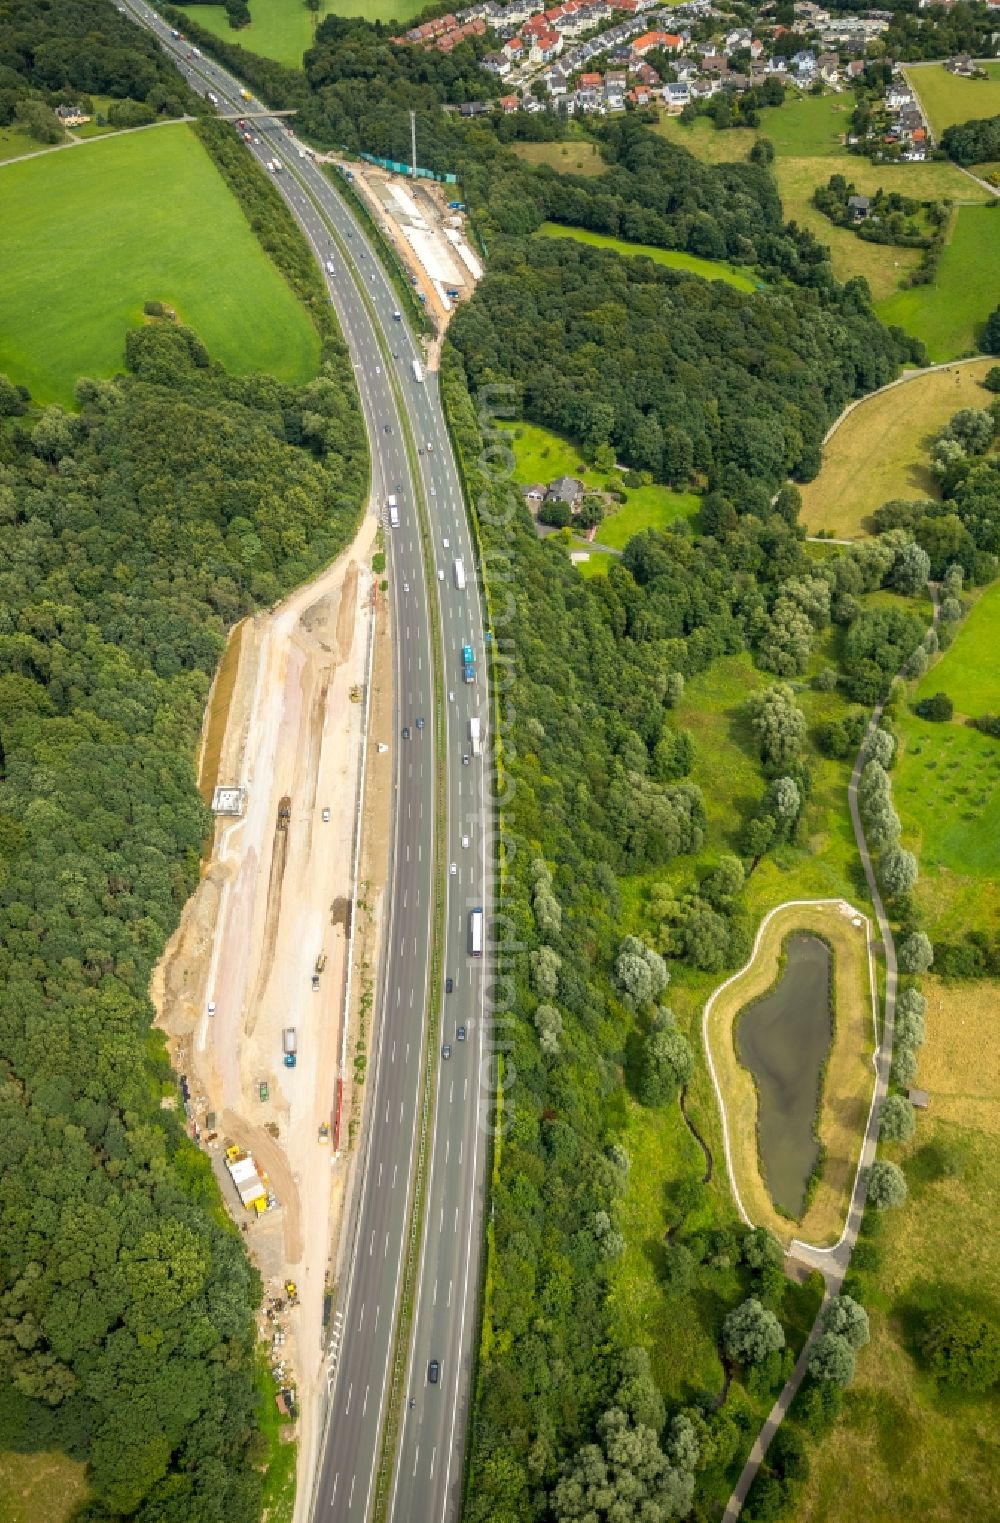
x,y
450,1284
350,1388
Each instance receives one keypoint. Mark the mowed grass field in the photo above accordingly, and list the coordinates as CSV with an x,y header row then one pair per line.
x,y
947,781
674,259
284,29
578,156
880,449
947,98
949,314
91,233
902,1448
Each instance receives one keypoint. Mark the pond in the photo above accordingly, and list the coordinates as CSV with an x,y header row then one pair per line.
x,y
784,1040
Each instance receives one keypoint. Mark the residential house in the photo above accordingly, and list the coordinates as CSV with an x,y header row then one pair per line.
x,y
740,37
515,50
858,208
72,116
804,62
498,64
534,496
829,68
715,63
961,64
508,104
568,489
855,68
676,97
546,47
756,48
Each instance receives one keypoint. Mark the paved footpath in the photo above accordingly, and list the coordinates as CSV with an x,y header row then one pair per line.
x,y
832,1262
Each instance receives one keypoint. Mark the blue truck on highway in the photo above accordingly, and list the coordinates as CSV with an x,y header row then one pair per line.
x,y
468,664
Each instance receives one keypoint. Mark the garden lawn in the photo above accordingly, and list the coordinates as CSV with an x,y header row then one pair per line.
x,y
578,156
902,1448
652,507
880,450
947,98
948,314
120,221
708,269
284,29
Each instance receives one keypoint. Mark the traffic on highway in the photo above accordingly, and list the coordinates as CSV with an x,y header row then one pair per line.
x,y
400,399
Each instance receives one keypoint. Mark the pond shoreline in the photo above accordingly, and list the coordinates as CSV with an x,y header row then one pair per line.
x,y
846,1092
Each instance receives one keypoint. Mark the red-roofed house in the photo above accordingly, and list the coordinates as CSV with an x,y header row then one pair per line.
x,y
546,47
508,103
590,81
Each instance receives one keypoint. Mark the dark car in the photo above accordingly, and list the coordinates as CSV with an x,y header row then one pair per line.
x,y
449,986
460,1034
433,1372
420,724
406,732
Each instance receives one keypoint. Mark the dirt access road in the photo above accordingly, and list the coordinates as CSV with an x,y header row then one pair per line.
x,y
285,722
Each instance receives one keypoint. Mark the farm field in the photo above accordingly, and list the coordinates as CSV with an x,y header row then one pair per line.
x,y
947,98
284,29
948,314
577,156
675,259
902,1448
177,234
880,450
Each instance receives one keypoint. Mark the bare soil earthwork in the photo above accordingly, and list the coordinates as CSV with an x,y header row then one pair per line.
x,y
285,719
847,1083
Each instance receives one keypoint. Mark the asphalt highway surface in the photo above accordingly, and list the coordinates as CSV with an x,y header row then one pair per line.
x,y
426,1481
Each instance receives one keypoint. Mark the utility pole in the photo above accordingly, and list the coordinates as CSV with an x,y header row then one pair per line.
x,y
413,142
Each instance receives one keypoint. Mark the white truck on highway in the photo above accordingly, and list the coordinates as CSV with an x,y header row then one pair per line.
x,y
459,575
418,371
393,507
475,735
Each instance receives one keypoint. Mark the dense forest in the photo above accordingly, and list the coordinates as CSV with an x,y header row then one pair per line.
x,y
675,375
133,533
55,54
569,1423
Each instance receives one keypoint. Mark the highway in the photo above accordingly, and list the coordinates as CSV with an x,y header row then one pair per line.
x,y
426,1484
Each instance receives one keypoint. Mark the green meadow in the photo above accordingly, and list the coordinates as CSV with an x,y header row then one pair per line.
x,y
708,269
91,233
284,29
948,314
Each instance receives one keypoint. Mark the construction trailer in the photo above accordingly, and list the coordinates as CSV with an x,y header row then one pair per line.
x,y
250,1188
